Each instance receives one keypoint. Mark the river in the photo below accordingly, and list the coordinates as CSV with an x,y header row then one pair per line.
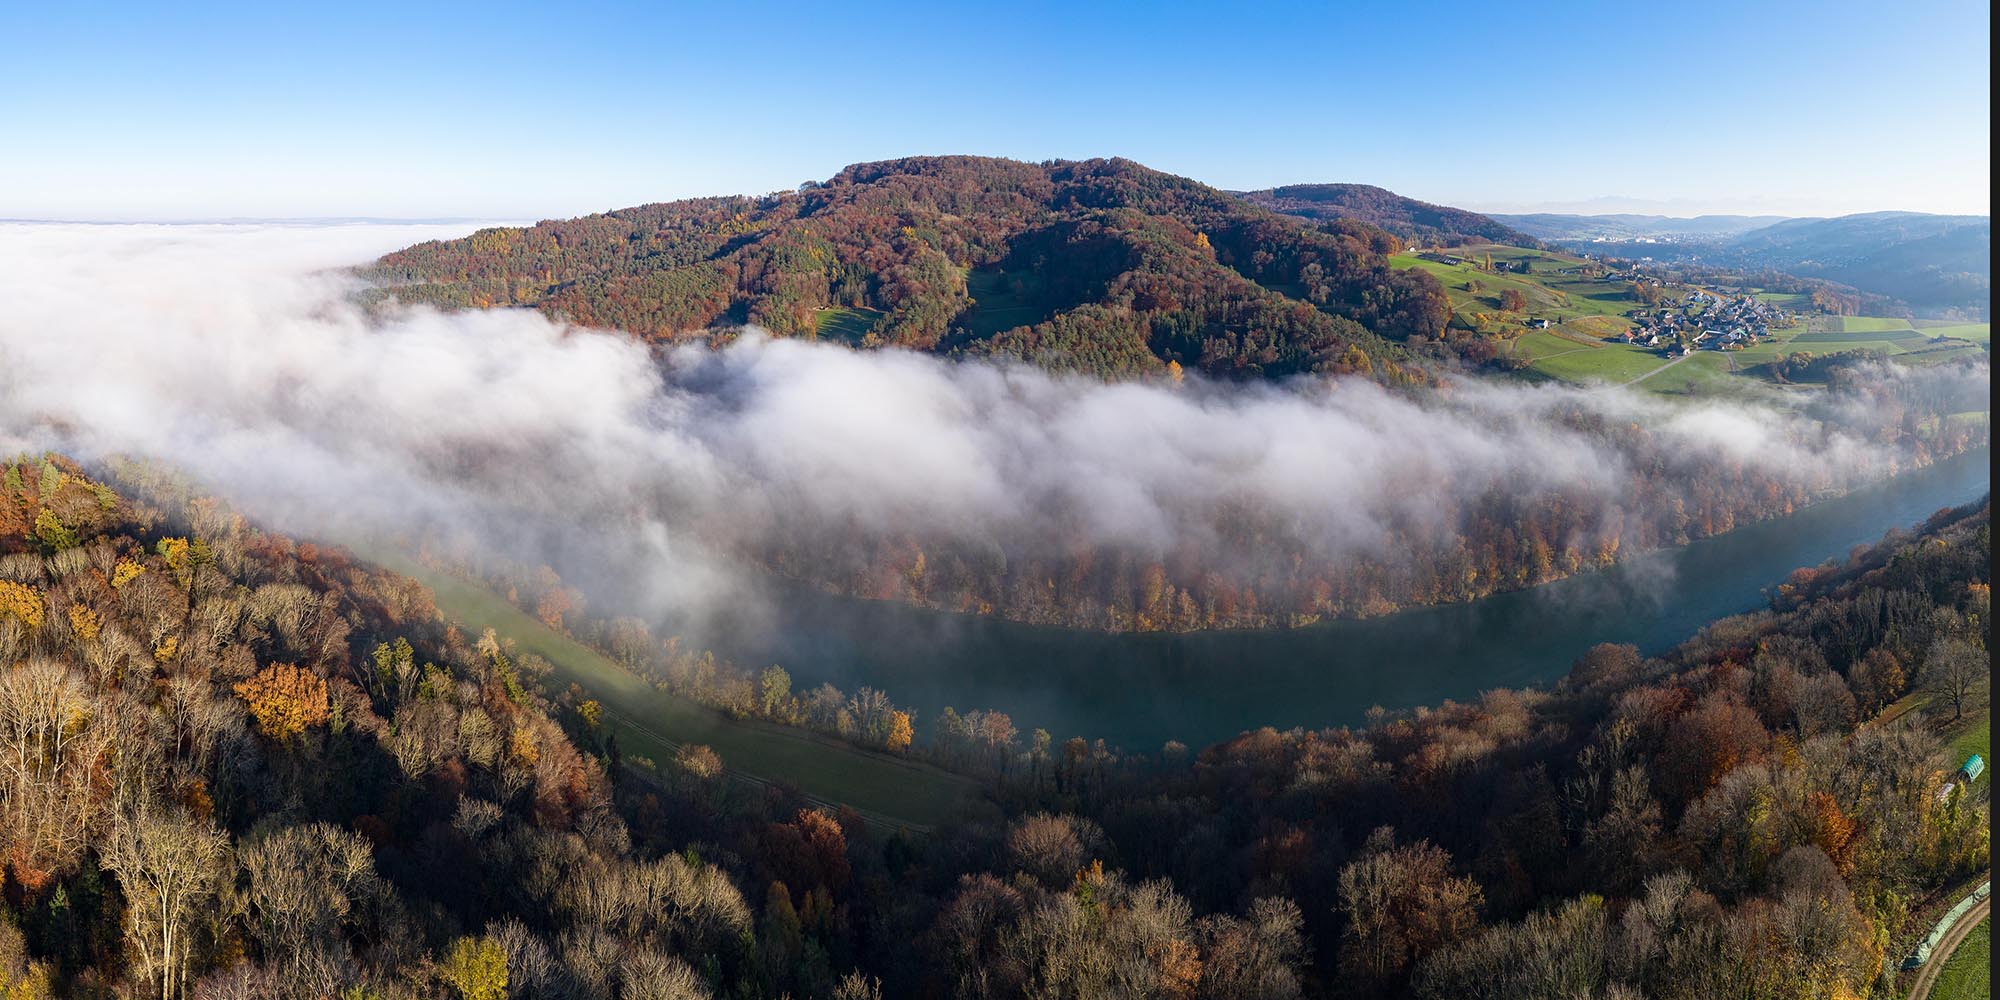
x,y
1141,690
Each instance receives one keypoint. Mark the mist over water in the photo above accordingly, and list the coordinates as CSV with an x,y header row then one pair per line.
x,y
241,354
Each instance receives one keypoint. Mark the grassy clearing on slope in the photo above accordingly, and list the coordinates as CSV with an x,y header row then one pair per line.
x,y
1550,294
1597,327
1610,363
845,324
1974,735
1538,344
1704,374
1001,302
893,790
1968,972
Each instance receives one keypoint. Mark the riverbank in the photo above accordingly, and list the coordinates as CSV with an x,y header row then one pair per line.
x,y
1141,690
887,790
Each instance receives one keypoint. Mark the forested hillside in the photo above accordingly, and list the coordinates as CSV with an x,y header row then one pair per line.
x,y
1406,218
243,766
1101,266
1932,263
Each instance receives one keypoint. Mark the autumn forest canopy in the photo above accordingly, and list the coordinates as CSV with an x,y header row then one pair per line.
x,y
242,765
1099,266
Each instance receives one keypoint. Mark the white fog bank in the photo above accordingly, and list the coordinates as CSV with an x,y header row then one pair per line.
x,y
238,353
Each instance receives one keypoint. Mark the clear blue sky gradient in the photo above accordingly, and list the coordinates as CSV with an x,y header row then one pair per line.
x,y
500,110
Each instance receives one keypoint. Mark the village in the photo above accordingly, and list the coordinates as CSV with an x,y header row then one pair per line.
x,y
1704,321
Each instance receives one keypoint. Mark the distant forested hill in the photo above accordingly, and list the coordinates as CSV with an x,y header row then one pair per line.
x,y
1103,266
1930,262
1560,228
1406,218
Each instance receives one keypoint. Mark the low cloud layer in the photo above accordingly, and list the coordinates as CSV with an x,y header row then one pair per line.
x,y
238,353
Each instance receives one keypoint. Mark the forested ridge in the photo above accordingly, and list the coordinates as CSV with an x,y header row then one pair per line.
x,y
1406,218
1101,266
238,765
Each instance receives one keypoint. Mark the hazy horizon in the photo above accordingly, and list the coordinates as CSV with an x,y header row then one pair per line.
x,y
1607,205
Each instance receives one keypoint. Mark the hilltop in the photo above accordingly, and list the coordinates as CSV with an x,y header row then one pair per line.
x,y
1406,218
1103,266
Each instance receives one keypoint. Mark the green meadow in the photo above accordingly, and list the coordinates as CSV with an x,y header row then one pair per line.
x,y
1978,333
1871,324
845,324
886,789
1968,973
1000,302
1587,313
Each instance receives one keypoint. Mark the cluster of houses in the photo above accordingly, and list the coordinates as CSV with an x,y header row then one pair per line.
x,y
1703,321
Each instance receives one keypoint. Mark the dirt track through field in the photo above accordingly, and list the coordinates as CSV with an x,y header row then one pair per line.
x,y
1927,976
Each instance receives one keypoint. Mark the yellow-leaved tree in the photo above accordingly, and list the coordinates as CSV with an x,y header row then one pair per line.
x,y
285,700
900,732
476,968
21,601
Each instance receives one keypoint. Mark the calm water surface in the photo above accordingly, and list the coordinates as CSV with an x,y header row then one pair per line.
x,y
1142,690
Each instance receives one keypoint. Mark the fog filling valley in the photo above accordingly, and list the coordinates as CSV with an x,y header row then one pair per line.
x,y
241,354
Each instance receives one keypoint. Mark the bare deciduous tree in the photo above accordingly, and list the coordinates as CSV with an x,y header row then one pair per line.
x,y
168,868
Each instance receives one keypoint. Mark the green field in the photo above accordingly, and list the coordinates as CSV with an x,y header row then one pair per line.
x,y
1711,374
1871,324
1978,333
893,791
1968,972
1550,293
1931,354
1588,313
1787,300
1870,333
1608,363
1974,736
1846,336
844,324
1000,302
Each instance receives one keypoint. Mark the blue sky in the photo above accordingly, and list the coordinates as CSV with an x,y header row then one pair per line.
x,y
498,110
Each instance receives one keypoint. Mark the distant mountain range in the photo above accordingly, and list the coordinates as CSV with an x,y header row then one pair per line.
x,y
1405,218
1576,228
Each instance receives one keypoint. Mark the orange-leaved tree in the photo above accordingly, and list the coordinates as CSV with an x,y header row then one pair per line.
x,y
285,700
